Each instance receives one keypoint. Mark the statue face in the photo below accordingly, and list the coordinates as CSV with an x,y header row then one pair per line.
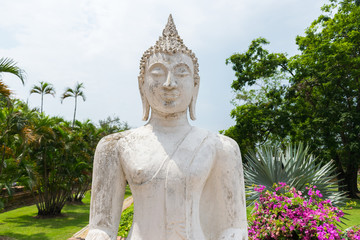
x,y
169,82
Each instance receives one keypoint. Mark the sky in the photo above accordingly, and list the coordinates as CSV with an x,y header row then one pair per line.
x,y
100,42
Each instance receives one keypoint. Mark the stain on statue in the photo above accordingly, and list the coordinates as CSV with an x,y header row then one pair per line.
x,y
187,183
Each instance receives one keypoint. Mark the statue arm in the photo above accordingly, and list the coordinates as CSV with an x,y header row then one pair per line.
x,y
231,190
107,192
223,206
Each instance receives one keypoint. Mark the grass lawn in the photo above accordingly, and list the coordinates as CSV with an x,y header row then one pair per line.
x,y
21,224
353,217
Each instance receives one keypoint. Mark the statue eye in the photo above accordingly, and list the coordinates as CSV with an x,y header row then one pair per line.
x,y
157,71
182,71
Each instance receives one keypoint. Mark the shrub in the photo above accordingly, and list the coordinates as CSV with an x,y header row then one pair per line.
x,y
287,213
294,165
352,233
126,221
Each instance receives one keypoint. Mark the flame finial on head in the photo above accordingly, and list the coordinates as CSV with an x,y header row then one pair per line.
x,y
170,28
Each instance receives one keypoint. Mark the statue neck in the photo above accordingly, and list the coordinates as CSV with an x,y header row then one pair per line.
x,y
169,122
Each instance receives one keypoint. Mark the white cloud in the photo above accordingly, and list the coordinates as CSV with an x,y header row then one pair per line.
x,y
100,43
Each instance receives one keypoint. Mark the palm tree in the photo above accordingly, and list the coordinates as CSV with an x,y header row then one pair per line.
x,y
43,88
7,65
75,93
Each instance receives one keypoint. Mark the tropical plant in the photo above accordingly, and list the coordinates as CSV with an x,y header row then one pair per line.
x,y
8,177
287,213
42,89
15,134
75,92
269,164
7,65
47,154
13,126
82,143
50,165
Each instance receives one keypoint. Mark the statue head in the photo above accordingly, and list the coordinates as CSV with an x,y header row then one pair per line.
x,y
172,64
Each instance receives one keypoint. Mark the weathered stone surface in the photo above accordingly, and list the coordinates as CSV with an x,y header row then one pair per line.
x,y
79,238
187,183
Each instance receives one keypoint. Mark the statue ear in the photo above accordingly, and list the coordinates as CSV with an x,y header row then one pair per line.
x,y
193,101
145,103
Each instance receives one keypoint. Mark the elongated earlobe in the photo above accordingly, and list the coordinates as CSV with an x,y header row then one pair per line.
x,y
193,102
192,110
145,103
146,109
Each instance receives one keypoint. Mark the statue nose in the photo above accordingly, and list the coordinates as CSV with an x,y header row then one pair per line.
x,y
170,82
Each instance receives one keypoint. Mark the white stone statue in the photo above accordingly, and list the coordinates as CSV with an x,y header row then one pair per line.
x,y
187,183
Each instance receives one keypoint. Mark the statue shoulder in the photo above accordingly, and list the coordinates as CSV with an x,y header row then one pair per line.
x,y
227,143
110,141
227,150
220,142
107,149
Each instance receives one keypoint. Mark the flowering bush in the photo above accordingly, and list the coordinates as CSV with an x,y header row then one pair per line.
x,y
290,214
353,233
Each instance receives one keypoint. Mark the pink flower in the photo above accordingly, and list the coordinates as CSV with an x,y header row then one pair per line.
x,y
287,215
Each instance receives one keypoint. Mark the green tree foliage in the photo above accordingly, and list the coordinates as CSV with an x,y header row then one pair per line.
x,y
15,134
82,143
47,155
260,116
50,156
320,102
50,164
43,89
112,125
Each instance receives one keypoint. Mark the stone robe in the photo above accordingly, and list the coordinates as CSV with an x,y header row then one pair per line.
x,y
192,192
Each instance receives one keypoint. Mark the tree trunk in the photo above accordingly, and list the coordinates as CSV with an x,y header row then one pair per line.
x,y
351,178
74,112
341,174
42,100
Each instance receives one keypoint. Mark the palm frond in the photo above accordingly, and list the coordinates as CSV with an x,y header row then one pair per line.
x,y
81,94
7,65
36,89
50,90
68,93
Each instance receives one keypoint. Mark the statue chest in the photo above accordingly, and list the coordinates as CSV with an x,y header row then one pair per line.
x,y
167,183
147,160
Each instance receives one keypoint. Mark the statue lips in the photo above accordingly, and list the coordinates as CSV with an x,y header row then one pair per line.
x,y
170,95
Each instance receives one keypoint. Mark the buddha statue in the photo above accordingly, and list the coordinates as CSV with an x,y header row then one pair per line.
x,y
187,183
